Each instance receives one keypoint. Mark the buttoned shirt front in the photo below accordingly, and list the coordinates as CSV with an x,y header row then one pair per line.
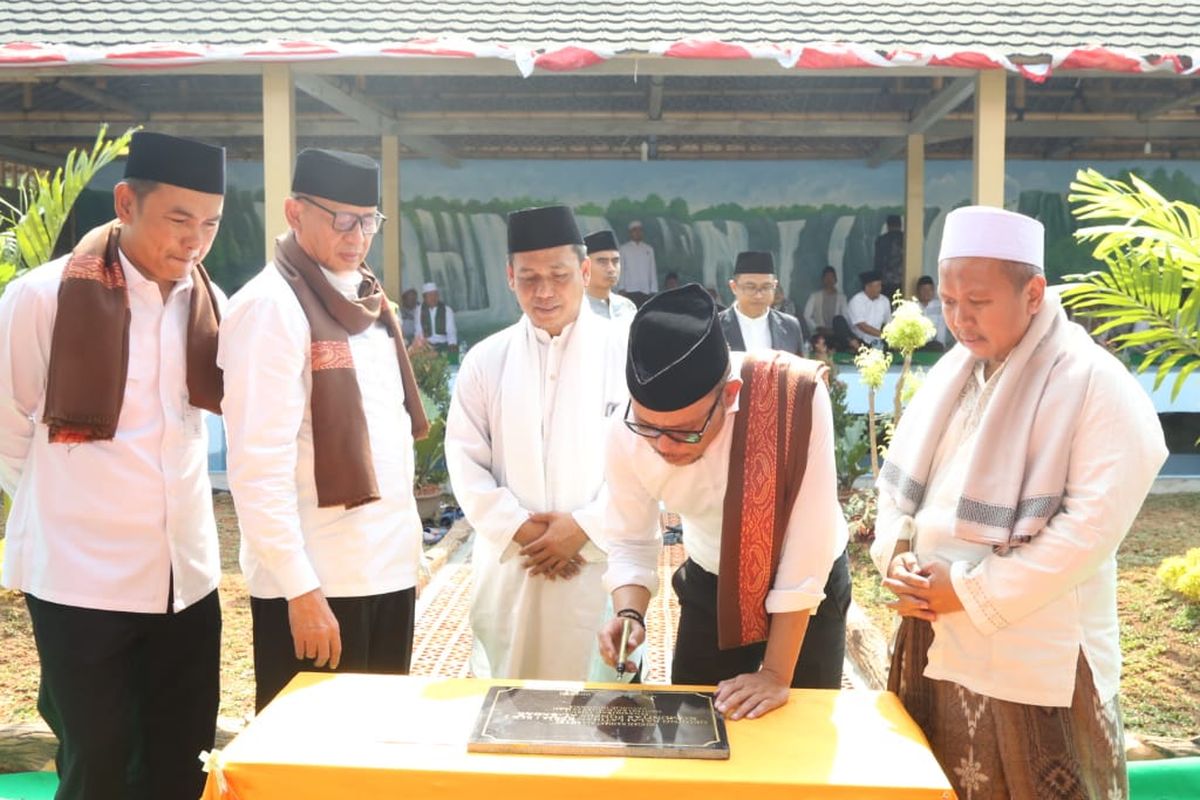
x,y
875,313
639,273
106,525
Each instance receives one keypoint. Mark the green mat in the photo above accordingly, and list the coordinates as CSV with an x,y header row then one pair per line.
x,y
1166,779
28,786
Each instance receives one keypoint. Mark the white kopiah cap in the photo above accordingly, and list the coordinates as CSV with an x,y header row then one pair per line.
x,y
429,287
987,232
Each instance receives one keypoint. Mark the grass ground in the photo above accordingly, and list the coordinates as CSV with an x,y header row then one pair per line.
x,y
1160,632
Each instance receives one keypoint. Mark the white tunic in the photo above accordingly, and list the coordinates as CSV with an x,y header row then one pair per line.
x,y
876,313
289,545
639,273
106,525
526,434
1029,614
638,478
450,337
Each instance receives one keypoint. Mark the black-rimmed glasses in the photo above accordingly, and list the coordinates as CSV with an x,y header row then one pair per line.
x,y
344,221
674,434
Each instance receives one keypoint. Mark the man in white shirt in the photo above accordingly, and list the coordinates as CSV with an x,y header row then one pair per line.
x,y
107,356
639,274
1001,507
823,309
605,255
435,320
750,324
931,307
870,311
321,410
525,450
765,536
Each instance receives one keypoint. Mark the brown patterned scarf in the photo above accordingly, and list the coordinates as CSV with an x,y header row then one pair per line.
x,y
767,460
345,474
89,348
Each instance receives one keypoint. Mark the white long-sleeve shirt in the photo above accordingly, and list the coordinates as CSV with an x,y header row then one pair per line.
x,y
1027,615
106,525
638,478
814,310
639,273
875,313
289,545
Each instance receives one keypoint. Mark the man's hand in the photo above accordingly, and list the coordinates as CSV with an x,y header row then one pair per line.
x,y
940,596
610,641
315,631
529,532
555,552
921,592
751,694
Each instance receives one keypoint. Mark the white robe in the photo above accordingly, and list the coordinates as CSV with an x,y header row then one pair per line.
x,y
525,434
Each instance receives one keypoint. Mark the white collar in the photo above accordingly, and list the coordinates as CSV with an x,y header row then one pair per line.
x,y
135,280
751,320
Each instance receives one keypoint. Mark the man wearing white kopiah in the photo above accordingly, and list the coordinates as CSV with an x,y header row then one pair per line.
x,y
525,450
1001,507
321,409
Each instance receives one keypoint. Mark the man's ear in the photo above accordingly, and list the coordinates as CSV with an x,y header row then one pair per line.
x,y
124,202
732,387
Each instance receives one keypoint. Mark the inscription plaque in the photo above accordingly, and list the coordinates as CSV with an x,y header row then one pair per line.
x,y
611,722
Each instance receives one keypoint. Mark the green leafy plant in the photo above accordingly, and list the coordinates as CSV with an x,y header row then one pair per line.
x,y
860,509
908,331
30,228
432,373
873,365
1147,294
849,438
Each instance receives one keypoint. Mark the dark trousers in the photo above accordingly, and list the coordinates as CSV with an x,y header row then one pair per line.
x,y
376,630
698,659
131,697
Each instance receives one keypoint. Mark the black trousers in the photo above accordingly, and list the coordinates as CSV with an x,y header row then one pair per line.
x,y
377,636
132,697
698,659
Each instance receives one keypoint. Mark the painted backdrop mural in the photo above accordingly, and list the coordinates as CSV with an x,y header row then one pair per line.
x,y
697,215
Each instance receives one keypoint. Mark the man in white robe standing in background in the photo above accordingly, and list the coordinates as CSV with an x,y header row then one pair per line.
x,y
525,449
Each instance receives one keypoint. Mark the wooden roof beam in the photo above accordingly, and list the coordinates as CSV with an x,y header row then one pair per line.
x,y
939,105
100,97
376,118
1167,106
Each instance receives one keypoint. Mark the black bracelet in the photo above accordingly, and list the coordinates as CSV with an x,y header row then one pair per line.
x,y
633,614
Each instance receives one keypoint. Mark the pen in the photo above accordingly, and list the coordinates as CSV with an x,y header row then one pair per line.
x,y
621,654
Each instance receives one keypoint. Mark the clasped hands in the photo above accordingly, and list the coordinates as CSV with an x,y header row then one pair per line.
x,y
921,591
550,544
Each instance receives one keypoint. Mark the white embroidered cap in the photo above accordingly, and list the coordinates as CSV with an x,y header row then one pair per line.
x,y
429,287
987,232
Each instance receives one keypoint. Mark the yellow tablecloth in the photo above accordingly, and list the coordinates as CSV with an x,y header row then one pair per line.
x,y
368,736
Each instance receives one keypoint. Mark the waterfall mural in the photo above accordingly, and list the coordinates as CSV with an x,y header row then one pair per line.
x,y
697,215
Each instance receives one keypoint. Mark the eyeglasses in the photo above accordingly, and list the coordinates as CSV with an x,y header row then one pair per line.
x,y
344,221
750,288
675,435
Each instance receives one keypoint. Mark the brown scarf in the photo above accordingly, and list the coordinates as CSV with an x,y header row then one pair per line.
x,y
89,348
345,474
767,460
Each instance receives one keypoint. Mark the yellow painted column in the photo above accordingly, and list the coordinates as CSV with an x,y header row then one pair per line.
x,y
390,206
990,112
914,212
279,147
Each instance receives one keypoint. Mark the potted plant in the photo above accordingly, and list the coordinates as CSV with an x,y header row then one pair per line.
x,y
432,373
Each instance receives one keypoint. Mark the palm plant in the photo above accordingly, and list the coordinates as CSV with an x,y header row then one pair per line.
x,y
1150,247
30,229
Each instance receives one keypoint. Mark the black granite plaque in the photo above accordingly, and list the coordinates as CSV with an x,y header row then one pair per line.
x,y
610,722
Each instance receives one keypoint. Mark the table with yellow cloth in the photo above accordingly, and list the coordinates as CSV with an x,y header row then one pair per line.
x,y
369,736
